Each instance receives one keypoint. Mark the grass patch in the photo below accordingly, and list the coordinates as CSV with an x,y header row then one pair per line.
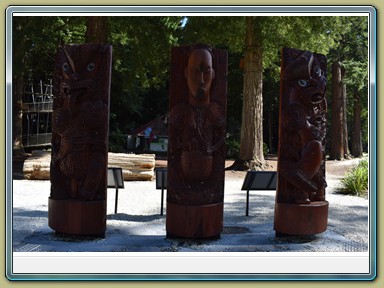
x,y
355,181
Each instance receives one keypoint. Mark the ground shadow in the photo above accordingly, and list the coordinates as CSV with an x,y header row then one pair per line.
x,y
134,218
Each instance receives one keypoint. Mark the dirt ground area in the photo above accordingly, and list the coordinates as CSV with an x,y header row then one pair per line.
x,y
332,167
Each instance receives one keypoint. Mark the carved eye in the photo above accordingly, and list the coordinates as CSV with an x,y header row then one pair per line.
x,y
303,83
318,70
65,67
91,66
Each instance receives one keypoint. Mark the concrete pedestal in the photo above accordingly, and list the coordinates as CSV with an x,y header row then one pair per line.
x,y
204,221
86,218
301,219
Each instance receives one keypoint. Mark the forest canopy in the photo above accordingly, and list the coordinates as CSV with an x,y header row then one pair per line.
x,y
141,63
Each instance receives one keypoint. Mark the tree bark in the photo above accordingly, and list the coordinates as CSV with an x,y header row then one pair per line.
x,y
17,95
337,142
96,29
17,129
344,109
270,145
251,142
356,147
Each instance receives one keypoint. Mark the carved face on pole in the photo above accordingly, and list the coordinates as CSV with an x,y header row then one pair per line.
x,y
306,79
199,74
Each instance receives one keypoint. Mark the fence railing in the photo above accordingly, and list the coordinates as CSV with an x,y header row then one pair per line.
x,y
38,99
37,114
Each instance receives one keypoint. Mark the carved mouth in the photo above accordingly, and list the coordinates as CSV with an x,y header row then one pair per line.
x,y
317,98
200,93
318,119
83,84
78,93
80,89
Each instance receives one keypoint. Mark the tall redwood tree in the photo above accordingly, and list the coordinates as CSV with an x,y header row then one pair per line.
x,y
251,142
338,128
97,29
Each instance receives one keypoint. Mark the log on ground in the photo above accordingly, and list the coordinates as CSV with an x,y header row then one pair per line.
x,y
136,167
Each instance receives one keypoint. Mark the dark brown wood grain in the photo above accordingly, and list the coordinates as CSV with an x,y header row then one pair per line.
x,y
197,131
302,127
300,197
80,124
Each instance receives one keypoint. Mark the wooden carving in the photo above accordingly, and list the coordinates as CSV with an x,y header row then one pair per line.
x,y
302,131
80,125
197,128
303,107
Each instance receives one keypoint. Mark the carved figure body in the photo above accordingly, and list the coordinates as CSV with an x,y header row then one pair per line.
x,y
302,131
196,148
197,129
80,122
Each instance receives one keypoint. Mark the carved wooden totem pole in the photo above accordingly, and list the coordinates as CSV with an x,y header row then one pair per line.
x,y
77,204
301,208
196,154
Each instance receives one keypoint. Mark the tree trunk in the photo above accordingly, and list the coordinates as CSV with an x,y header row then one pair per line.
x,y
356,147
17,93
270,131
344,124
251,142
337,141
96,30
17,129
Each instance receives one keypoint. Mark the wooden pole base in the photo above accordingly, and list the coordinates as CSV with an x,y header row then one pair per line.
x,y
197,222
86,218
301,219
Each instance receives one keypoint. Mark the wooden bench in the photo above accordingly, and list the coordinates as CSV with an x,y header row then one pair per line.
x,y
259,180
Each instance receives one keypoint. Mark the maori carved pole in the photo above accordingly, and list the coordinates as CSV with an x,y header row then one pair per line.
x,y
197,130
301,208
77,204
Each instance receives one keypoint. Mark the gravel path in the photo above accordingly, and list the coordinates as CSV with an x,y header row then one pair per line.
x,y
139,227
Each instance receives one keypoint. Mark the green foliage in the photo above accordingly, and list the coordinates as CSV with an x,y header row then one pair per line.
x,y
117,141
141,61
233,148
220,31
265,149
142,55
352,52
355,181
234,94
142,48
36,40
314,33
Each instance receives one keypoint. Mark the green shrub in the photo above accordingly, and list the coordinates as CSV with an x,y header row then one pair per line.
x,y
355,181
233,148
117,142
265,150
